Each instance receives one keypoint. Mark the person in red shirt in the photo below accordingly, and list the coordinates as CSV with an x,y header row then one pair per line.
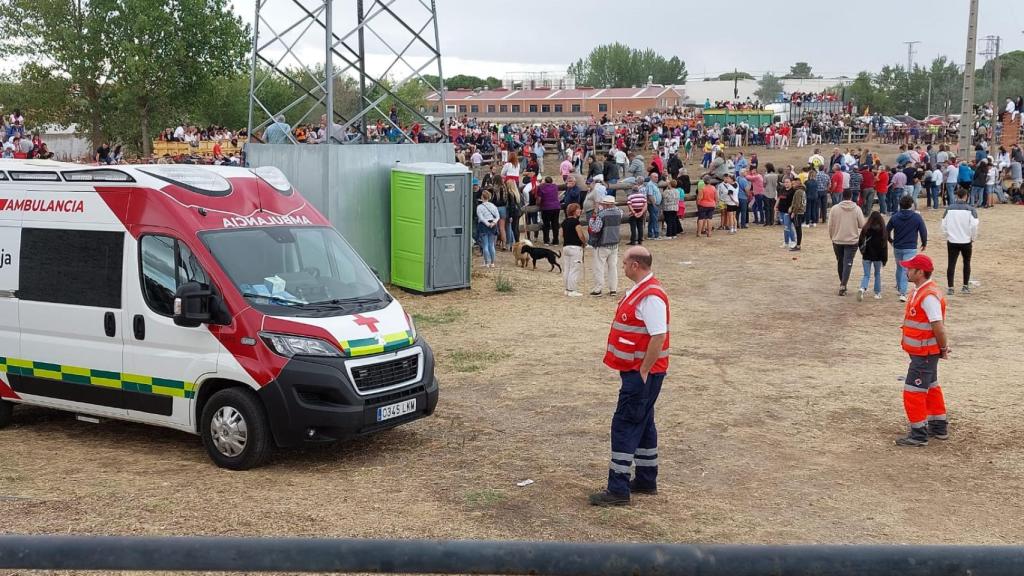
x,y
867,187
835,188
882,188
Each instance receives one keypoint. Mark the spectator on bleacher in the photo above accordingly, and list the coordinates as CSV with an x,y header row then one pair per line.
x,y
179,133
277,132
102,155
16,124
41,152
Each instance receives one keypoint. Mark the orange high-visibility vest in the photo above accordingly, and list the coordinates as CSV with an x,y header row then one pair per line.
x,y
918,336
628,337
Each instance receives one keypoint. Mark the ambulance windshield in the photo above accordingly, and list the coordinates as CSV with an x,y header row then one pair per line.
x,y
296,271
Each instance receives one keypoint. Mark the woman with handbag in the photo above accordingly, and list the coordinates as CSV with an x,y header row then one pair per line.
x,y
874,249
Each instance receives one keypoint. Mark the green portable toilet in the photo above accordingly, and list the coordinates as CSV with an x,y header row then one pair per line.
x,y
431,226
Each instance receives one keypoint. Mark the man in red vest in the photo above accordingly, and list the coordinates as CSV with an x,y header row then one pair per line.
x,y
924,338
638,348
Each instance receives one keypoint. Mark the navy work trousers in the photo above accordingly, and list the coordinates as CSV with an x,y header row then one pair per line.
x,y
634,436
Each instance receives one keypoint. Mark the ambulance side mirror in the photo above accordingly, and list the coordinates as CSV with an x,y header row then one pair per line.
x,y
192,305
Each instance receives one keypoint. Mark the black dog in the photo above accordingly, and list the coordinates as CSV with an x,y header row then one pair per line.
x,y
538,253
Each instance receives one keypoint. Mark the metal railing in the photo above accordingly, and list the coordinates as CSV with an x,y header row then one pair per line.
x,y
488,557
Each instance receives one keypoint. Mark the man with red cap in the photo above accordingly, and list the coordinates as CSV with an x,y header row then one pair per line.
x,y
924,338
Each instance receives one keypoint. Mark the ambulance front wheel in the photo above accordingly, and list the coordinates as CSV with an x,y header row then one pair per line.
x,y
6,408
235,430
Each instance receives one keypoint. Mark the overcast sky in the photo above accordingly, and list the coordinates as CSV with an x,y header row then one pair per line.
x,y
495,37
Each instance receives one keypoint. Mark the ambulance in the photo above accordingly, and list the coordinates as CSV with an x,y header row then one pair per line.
x,y
214,300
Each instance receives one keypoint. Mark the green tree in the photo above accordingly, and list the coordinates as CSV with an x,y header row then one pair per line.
x,y
135,62
866,94
735,76
800,71
768,87
619,66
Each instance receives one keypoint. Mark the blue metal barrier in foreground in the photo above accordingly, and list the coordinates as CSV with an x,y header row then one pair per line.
x,y
484,557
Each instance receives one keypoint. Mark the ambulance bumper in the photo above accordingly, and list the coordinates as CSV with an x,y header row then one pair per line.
x,y
314,400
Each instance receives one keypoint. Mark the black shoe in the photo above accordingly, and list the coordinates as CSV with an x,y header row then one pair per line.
x,y
911,441
635,489
595,293
794,249
606,499
613,293
938,434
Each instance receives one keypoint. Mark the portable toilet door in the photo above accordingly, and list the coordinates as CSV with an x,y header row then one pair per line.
x,y
449,230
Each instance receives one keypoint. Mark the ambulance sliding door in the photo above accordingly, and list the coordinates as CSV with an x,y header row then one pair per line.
x,y
10,251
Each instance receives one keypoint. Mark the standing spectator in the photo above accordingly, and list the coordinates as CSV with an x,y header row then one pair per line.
x,y
597,191
279,132
856,180
785,214
654,201
836,184
882,189
867,177
487,227
670,209
845,221
811,213
565,169
510,170
547,199
797,208
951,176
874,250
924,339
756,180
636,202
903,229
574,236
638,345
960,225
743,197
771,193
604,237
707,199
978,184
728,194
936,185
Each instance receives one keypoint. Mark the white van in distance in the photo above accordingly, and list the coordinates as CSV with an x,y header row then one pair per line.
x,y
213,300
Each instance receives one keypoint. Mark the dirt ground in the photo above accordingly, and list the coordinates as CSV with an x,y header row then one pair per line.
x,y
776,420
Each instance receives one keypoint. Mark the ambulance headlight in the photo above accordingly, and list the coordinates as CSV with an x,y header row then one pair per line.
x,y
412,325
288,345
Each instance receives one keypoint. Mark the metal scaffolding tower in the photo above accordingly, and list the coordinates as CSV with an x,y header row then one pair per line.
x,y
304,44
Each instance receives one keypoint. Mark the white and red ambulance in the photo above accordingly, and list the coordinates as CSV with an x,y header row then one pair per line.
x,y
214,300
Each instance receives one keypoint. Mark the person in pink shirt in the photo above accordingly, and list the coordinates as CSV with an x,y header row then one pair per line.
x,y
565,168
757,195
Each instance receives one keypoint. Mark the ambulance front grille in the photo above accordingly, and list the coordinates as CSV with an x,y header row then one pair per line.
x,y
370,377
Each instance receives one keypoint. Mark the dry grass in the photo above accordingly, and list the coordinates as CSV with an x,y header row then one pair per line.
x,y
776,421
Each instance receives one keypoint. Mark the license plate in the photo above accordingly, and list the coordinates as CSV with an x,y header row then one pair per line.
x,y
395,410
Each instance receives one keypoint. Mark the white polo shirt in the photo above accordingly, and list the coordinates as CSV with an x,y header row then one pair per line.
x,y
652,310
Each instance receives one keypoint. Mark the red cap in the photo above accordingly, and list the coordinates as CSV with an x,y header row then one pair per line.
x,y
919,262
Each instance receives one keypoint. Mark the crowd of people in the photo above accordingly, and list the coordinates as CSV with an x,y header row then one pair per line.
x,y
18,142
865,203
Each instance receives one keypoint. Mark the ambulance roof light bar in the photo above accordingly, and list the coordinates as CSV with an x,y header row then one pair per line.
x,y
275,178
101,175
194,178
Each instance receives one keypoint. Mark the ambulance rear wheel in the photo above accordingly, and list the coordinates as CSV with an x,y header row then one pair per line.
x,y
6,408
235,430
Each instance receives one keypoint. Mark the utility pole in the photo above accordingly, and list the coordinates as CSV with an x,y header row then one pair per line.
x,y
967,104
929,113
996,69
910,55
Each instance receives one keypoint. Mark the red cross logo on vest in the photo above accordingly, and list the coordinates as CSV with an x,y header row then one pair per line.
x,y
369,322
